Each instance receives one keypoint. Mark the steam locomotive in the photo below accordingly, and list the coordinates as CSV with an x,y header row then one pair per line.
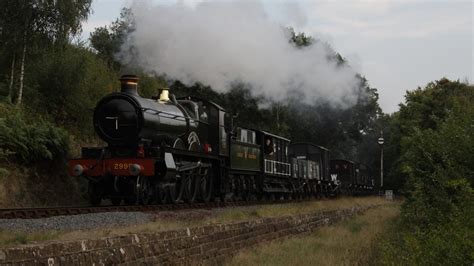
x,y
171,150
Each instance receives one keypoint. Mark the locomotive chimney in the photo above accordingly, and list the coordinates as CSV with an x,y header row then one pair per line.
x,y
129,84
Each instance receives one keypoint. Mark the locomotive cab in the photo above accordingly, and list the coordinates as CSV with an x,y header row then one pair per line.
x,y
210,132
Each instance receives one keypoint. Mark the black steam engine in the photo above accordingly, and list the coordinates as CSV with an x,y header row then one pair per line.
x,y
168,150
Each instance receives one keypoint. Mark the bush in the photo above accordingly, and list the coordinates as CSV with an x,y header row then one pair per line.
x,y
437,222
31,141
448,243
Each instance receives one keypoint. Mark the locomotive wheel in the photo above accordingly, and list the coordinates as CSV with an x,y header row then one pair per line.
x,y
146,191
179,144
116,201
191,188
175,192
94,194
162,195
130,199
206,187
95,201
194,146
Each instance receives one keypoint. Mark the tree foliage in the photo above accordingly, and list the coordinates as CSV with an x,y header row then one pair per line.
x,y
70,81
108,40
29,26
437,159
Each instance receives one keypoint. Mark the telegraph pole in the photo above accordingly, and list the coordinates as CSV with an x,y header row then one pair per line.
x,y
381,142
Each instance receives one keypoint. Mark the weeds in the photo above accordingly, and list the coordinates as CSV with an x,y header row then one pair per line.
x,y
347,243
8,238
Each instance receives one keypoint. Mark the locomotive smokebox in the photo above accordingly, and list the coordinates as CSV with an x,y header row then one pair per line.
x,y
126,118
129,84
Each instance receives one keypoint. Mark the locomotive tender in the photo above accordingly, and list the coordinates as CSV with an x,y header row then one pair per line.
x,y
168,150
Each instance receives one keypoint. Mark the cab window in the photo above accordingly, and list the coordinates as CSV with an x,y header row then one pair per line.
x,y
269,146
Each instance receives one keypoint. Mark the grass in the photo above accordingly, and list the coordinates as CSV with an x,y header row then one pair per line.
x,y
348,243
246,213
8,238
164,221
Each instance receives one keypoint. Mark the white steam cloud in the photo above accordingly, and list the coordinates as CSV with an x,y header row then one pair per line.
x,y
219,43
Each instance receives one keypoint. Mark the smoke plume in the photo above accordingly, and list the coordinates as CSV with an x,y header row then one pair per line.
x,y
218,43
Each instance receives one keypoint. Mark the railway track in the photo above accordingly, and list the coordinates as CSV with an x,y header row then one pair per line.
x,y
43,212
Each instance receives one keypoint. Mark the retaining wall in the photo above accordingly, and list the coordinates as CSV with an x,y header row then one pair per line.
x,y
211,244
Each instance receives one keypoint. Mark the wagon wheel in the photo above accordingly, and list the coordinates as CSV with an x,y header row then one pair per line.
x,y
314,190
300,193
306,191
206,184
293,193
245,189
260,195
271,197
145,191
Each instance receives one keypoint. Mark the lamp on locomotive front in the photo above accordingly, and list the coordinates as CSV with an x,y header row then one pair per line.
x,y
129,84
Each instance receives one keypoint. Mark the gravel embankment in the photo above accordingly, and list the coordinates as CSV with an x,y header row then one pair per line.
x,y
76,222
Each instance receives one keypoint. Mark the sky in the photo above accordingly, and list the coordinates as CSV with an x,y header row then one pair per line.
x,y
398,45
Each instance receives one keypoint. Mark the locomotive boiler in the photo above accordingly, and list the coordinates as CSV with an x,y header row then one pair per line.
x,y
125,118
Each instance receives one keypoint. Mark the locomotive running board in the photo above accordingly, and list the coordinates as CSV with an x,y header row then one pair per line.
x,y
190,153
191,166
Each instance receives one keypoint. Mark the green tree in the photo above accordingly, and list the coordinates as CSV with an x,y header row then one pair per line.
x,y
423,109
27,22
108,40
436,157
70,81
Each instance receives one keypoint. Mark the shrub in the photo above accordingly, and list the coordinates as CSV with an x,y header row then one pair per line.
x,y
31,141
437,223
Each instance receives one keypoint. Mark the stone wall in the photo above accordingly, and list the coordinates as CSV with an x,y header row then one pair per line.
x,y
210,244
